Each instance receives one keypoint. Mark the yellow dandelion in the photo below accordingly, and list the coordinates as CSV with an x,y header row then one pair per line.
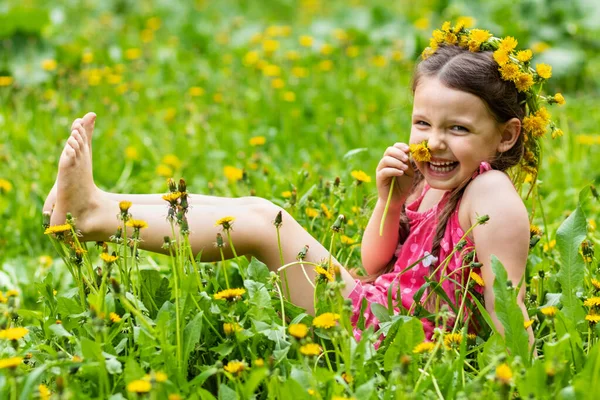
x,y
139,386
534,230
420,152
235,367
6,80
452,340
231,328
544,70
596,283
132,153
352,51
300,72
270,45
5,186
326,212
557,133
311,349
379,61
322,272
326,320
501,57
346,240
524,55
508,44
478,279
446,26
133,53
427,52
523,82
225,222
124,206
233,174
49,64
479,35
229,294
58,229
137,224
549,311
287,194
12,293
258,140
326,65
196,91
10,363
559,99
174,396
509,72
172,160
504,373
164,171
298,331
172,197
259,362
421,23
13,333
3,299
592,302
361,176
311,212
305,41
114,317
45,261
107,258
592,318
44,392
425,347
160,377
527,324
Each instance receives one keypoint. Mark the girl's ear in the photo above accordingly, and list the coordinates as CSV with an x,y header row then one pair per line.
x,y
510,133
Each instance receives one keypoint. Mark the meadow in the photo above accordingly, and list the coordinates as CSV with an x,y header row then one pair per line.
x,y
293,101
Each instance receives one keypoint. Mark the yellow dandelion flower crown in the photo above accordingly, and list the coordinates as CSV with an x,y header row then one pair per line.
x,y
514,66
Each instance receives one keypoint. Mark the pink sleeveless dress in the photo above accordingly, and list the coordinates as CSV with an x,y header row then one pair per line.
x,y
417,246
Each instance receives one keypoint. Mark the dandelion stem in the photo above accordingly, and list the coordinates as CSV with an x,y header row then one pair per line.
x,y
282,305
285,279
224,267
387,206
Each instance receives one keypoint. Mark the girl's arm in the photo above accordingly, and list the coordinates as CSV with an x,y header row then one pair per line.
x,y
377,250
505,235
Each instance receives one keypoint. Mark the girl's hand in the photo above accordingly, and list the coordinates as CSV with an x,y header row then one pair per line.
x,y
395,164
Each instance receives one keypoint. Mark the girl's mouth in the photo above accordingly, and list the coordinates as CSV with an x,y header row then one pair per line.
x,y
442,168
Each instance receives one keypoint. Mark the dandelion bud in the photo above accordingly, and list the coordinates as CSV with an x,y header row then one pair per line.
x,y
294,197
302,253
60,384
460,245
475,265
541,273
115,285
46,219
533,241
220,243
252,192
337,225
166,242
124,206
184,226
337,181
172,185
70,219
278,220
182,186
483,219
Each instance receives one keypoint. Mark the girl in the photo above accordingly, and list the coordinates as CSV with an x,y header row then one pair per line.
x,y
472,115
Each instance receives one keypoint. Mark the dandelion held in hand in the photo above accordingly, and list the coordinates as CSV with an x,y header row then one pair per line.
x,y
420,152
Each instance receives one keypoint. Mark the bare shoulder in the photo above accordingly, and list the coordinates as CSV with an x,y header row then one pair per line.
x,y
493,194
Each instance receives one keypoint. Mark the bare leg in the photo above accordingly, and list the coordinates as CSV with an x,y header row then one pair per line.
x,y
85,127
253,231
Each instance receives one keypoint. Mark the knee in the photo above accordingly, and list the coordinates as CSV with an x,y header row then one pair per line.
x,y
264,210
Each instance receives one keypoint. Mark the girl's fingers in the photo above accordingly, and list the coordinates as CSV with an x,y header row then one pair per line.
x,y
390,172
397,153
389,161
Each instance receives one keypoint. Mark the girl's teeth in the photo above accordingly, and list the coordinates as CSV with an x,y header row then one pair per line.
x,y
442,167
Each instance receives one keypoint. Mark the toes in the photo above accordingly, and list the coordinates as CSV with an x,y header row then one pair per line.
x,y
88,122
80,140
77,121
72,142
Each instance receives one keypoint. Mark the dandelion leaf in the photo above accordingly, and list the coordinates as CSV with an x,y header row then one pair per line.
x,y
227,393
569,236
191,336
509,313
258,271
410,333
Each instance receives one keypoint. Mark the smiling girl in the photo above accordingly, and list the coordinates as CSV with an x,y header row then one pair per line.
x,y
477,113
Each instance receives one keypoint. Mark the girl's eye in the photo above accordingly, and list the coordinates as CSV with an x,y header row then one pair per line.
x,y
459,128
422,123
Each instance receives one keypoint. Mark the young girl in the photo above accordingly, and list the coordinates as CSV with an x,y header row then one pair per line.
x,y
476,119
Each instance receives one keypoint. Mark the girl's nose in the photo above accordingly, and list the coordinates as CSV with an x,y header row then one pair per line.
x,y
436,142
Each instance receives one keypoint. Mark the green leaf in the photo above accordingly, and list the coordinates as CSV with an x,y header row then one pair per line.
x,y
113,366
191,336
258,271
380,312
31,384
569,236
60,330
509,313
91,350
227,393
409,334
133,370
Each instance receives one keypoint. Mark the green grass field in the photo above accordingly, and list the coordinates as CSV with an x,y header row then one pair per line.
x,y
266,99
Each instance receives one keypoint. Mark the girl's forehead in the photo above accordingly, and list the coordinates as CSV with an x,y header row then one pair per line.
x,y
432,96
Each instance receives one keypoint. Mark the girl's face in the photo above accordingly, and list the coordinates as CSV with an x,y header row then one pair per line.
x,y
460,131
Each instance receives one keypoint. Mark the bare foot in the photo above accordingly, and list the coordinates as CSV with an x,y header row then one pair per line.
x,y
85,127
76,192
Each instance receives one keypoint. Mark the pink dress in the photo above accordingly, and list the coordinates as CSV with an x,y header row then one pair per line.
x,y
417,246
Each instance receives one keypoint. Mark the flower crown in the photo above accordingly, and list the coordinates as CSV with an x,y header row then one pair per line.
x,y
514,66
